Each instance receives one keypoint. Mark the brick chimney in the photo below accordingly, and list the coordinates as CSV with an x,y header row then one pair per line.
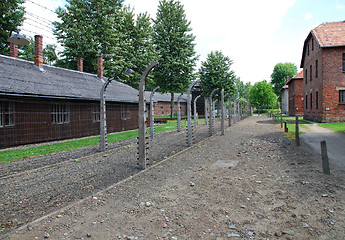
x,y
100,66
13,50
287,79
80,64
39,51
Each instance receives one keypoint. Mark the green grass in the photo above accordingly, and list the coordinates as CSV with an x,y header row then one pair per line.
x,y
336,127
34,151
291,125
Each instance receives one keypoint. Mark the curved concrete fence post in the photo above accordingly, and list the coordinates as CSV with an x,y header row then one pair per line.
x,y
152,121
179,113
142,118
189,113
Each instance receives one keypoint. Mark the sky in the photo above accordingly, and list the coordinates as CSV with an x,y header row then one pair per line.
x,y
255,35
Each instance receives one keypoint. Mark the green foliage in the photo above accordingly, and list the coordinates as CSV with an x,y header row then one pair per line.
x,y
242,90
280,72
11,17
262,95
140,51
89,28
215,73
175,47
336,127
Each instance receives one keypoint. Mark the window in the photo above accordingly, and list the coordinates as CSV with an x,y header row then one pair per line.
x,y
311,72
306,76
316,68
312,44
96,113
308,49
6,114
342,96
343,62
317,100
60,113
306,101
125,113
311,101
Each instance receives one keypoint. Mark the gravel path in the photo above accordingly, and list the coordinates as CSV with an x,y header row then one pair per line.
x,y
37,186
252,183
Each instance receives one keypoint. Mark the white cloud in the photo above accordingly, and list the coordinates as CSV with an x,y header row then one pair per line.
x,y
39,16
242,30
308,16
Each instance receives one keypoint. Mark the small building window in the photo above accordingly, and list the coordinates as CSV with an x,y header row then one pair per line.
x,y
317,100
342,96
306,76
312,44
306,101
316,68
125,112
60,113
343,62
6,114
96,113
311,72
308,49
311,101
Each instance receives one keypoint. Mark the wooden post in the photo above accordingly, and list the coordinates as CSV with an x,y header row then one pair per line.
x,y
281,120
325,162
285,127
297,133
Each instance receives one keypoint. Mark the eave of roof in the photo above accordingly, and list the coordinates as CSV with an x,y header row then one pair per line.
x,y
327,35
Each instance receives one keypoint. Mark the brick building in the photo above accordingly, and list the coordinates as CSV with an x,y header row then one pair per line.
x,y
43,103
296,94
162,103
323,63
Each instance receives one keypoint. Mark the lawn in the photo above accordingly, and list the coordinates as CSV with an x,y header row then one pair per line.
x,y
291,125
336,127
34,151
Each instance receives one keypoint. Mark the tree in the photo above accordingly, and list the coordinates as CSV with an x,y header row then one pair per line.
x,y
140,51
241,89
262,95
11,17
280,72
175,47
89,28
215,73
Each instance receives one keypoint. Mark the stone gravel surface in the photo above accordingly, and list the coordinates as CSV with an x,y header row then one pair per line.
x,y
34,187
251,183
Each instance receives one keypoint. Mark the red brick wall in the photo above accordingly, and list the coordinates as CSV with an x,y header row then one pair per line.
x,y
296,97
163,108
333,77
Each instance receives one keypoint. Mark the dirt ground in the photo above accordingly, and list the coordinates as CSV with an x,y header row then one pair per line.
x,y
251,183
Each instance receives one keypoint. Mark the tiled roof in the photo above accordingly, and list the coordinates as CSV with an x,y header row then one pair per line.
x,y
330,34
298,75
19,77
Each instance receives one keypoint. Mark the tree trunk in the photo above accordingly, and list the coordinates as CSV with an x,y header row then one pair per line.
x,y
172,105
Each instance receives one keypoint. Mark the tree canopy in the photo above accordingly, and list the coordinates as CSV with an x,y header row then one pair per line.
x,y
242,89
262,95
175,47
215,73
88,29
11,18
280,72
